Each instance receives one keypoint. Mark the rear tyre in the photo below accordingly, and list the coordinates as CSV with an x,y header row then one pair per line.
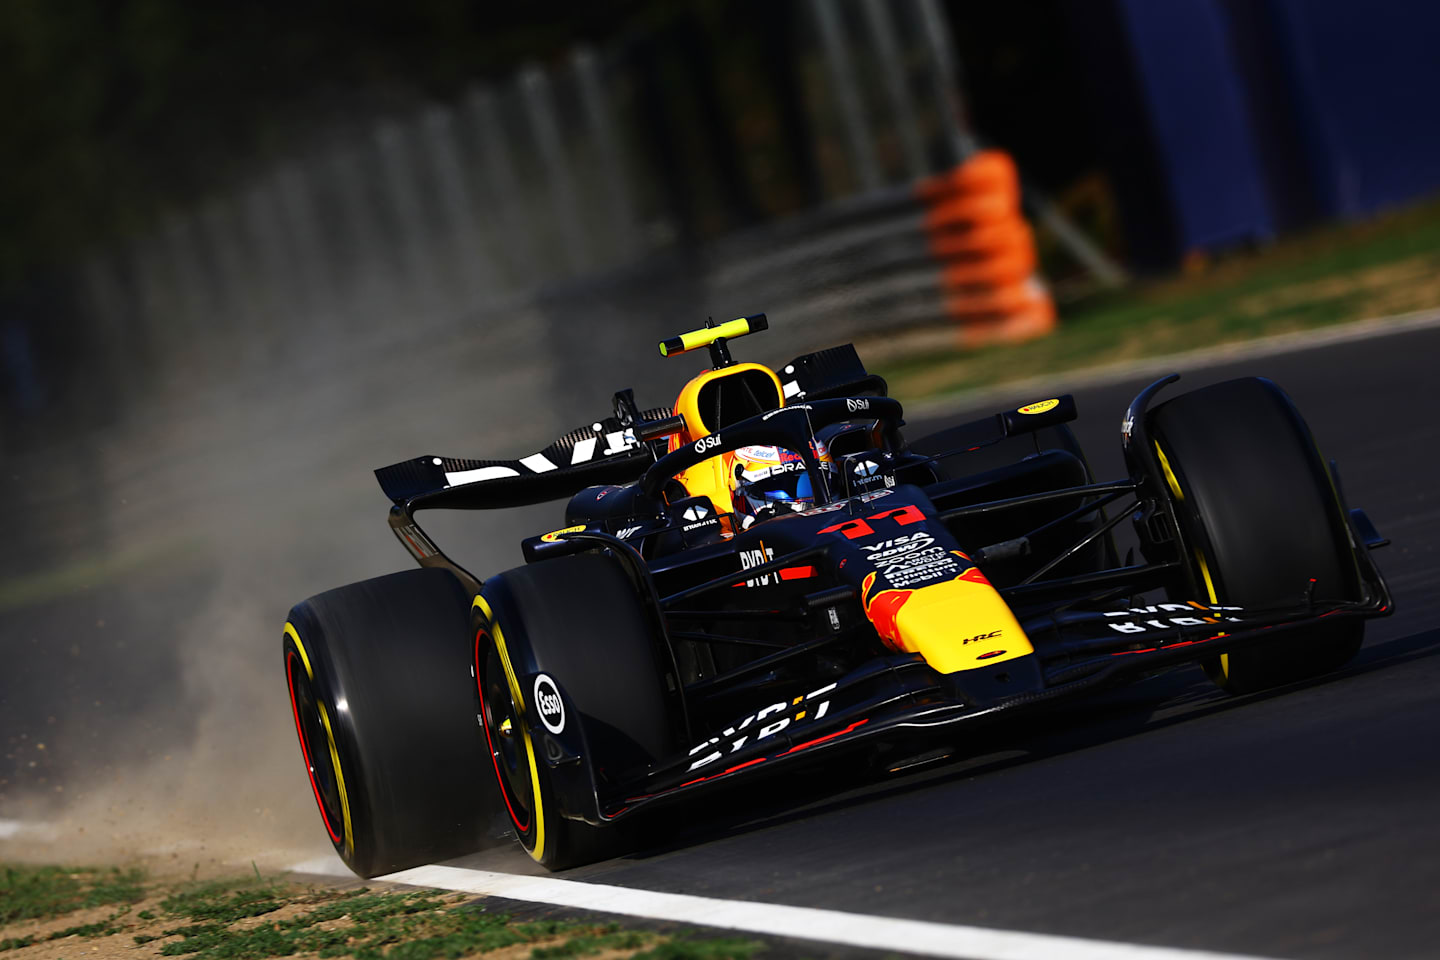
x,y
379,686
578,621
1258,506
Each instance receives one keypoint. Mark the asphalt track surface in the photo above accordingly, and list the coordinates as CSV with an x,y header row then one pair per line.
x,y
1298,823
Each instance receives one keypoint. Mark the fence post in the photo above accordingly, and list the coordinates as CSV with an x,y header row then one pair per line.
x,y
221,225
474,270
402,184
842,82
113,321
962,144
267,269
540,109
152,297
503,185
297,211
878,15
600,123
945,74
368,273
180,239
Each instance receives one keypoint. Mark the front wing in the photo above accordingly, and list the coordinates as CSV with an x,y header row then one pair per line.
x,y
900,701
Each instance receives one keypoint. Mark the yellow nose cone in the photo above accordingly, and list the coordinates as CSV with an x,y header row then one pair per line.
x,y
961,624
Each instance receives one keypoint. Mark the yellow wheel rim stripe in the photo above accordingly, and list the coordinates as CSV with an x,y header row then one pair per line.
x,y
330,741
339,779
1169,474
1210,591
1199,557
479,601
499,635
1205,573
304,657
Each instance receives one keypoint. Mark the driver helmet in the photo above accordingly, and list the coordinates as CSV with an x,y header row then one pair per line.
x,y
769,481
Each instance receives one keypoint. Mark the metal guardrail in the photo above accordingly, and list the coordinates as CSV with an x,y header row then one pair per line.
x,y
422,226
833,273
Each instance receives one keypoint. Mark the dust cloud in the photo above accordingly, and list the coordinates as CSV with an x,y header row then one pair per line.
x,y
143,709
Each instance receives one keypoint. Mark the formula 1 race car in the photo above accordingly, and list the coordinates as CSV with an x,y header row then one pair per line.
x,y
769,574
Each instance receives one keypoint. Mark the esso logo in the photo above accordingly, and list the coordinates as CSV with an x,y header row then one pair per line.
x,y
856,405
549,704
707,443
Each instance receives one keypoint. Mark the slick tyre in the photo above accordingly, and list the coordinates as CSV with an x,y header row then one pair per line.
x,y
578,622
1262,517
379,681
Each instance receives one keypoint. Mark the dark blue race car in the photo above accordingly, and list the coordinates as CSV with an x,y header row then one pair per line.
x,y
769,573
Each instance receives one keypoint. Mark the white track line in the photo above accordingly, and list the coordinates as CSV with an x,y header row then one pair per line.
x,y
778,920
768,919
1188,360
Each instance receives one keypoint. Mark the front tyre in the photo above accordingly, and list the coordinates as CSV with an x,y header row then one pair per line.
x,y
573,633
1265,524
379,685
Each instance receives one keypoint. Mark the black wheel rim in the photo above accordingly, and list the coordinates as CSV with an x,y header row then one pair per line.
x,y
315,746
503,735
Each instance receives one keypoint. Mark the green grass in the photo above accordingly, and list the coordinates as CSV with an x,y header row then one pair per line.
x,y
226,901
37,893
395,926
1385,266
232,920
588,943
88,930
719,948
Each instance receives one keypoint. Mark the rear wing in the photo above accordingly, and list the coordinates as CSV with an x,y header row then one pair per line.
x,y
605,451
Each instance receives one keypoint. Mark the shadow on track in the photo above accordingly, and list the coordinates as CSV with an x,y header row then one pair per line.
x,y
1144,707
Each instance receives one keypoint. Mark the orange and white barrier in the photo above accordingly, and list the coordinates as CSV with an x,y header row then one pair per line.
x,y
986,251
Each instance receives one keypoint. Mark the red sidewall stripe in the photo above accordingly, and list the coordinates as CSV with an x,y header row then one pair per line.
x,y
305,750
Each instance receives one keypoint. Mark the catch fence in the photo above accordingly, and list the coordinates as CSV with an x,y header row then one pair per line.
x,y
551,189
